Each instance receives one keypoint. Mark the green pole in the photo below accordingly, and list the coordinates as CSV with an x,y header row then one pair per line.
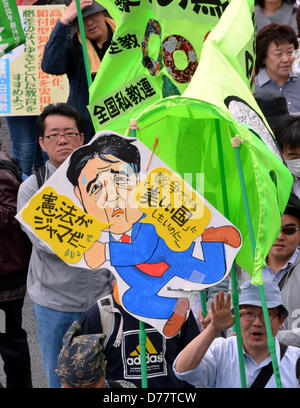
x,y
271,340
235,295
142,331
83,43
203,303
142,341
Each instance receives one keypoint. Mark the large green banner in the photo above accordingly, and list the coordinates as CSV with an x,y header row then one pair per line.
x,y
155,52
11,30
194,134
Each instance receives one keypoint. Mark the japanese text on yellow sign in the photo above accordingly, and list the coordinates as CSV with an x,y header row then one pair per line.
x,y
65,227
177,212
25,89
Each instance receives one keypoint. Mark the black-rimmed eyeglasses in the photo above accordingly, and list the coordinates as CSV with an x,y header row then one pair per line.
x,y
67,135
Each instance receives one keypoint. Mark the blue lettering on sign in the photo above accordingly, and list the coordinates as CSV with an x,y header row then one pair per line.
x,y
5,102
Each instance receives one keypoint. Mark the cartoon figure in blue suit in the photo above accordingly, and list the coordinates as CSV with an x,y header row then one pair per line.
x,y
104,175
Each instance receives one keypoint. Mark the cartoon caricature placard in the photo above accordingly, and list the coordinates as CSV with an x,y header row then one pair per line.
x,y
114,204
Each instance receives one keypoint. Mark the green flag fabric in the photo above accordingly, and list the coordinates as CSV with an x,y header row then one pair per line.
x,y
11,30
193,134
154,53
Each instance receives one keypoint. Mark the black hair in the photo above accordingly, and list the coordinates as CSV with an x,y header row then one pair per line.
x,y
60,108
298,368
281,311
277,33
298,20
110,143
287,133
293,206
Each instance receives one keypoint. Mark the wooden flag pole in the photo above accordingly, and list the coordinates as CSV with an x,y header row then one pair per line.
x,y
203,303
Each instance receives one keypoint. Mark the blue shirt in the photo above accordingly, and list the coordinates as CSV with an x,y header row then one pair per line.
x,y
284,15
267,272
290,89
219,367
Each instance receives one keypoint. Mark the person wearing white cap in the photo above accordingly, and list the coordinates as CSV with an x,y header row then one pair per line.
x,y
213,362
283,267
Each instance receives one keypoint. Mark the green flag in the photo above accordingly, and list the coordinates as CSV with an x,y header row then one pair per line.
x,y
154,53
193,134
11,30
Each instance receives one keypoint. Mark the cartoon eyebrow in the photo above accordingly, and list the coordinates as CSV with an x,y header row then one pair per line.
x,y
88,187
119,172
64,129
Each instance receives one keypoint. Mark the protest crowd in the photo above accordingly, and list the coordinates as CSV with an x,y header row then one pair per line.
x,y
87,339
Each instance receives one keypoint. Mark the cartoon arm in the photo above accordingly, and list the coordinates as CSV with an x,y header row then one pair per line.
x,y
95,256
124,254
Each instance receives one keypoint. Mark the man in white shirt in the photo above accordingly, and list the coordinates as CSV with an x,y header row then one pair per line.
x,y
283,267
213,362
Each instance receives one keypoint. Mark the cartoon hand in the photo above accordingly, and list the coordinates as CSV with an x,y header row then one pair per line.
x,y
95,256
227,234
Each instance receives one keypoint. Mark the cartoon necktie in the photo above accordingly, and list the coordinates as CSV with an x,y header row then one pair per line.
x,y
125,238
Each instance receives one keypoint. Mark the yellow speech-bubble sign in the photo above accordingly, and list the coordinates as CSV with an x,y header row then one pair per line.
x,y
65,227
177,212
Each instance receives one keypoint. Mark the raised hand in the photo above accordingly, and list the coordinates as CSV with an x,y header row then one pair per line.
x,y
221,316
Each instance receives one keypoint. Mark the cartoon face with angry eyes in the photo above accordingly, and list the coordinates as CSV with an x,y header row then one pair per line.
x,y
105,189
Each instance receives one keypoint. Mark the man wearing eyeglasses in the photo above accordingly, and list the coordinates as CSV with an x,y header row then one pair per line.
x,y
283,263
60,293
285,249
283,267
213,362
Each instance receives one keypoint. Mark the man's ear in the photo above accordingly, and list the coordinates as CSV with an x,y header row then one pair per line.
x,y
42,144
282,319
82,138
77,193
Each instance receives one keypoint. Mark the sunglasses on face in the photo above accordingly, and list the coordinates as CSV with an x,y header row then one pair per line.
x,y
289,230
